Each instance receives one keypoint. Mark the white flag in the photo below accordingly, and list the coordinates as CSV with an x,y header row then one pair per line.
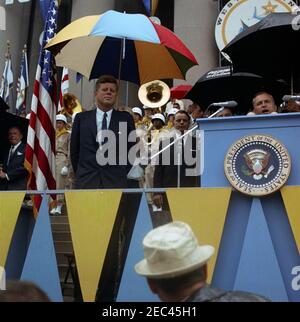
x,y
7,80
64,87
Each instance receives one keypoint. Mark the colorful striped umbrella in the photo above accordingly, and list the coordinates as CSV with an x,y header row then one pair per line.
x,y
129,46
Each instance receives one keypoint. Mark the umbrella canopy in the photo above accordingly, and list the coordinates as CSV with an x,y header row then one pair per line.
x,y
129,46
270,47
220,84
180,91
3,105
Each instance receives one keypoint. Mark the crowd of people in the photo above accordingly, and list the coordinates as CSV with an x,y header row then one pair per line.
x,y
155,122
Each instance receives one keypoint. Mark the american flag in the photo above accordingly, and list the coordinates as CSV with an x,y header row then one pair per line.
x,y
64,87
40,148
23,83
7,79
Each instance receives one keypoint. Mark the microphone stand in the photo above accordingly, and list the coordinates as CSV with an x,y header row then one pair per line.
x,y
172,143
216,112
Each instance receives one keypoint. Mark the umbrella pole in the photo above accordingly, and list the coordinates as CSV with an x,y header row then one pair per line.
x,y
122,56
81,89
292,83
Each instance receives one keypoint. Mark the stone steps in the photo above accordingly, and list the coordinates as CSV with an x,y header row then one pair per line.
x,y
63,247
62,235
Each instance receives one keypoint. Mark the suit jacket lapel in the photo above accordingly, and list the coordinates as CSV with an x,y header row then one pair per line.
x,y
13,155
114,122
93,123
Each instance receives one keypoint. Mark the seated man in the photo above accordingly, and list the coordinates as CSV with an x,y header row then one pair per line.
x,y
13,175
263,103
175,266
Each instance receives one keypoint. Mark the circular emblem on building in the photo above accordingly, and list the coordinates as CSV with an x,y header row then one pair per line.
x,y
257,165
238,15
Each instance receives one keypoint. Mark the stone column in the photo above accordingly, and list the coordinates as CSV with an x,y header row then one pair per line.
x,y
194,23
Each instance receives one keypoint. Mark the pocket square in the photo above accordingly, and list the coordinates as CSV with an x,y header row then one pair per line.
x,y
19,153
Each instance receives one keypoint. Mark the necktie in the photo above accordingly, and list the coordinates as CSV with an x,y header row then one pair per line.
x,y
10,154
182,151
104,121
104,127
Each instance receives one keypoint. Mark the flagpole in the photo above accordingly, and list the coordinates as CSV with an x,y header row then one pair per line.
x,y
7,77
11,89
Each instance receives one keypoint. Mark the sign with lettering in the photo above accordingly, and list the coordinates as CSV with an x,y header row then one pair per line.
x,y
238,15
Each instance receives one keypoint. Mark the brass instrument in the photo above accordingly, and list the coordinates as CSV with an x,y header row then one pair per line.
x,y
154,94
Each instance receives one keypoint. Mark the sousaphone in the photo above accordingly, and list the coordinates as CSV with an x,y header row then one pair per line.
x,y
154,94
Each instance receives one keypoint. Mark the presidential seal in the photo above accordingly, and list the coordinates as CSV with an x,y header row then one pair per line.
x,y
257,165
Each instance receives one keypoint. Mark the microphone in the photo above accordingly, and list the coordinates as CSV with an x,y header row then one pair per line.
x,y
225,104
287,98
216,112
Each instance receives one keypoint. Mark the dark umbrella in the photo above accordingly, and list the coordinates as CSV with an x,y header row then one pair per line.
x,y
270,47
220,84
3,105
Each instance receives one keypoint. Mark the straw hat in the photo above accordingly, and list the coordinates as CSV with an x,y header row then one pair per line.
x,y
172,250
154,94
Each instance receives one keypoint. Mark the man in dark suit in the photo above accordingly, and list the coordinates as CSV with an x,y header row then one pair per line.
x,y
13,175
89,146
99,155
183,154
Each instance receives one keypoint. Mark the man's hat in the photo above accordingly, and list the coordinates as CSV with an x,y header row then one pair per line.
x,y
172,250
138,111
173,111
154,94
61,117
158,116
